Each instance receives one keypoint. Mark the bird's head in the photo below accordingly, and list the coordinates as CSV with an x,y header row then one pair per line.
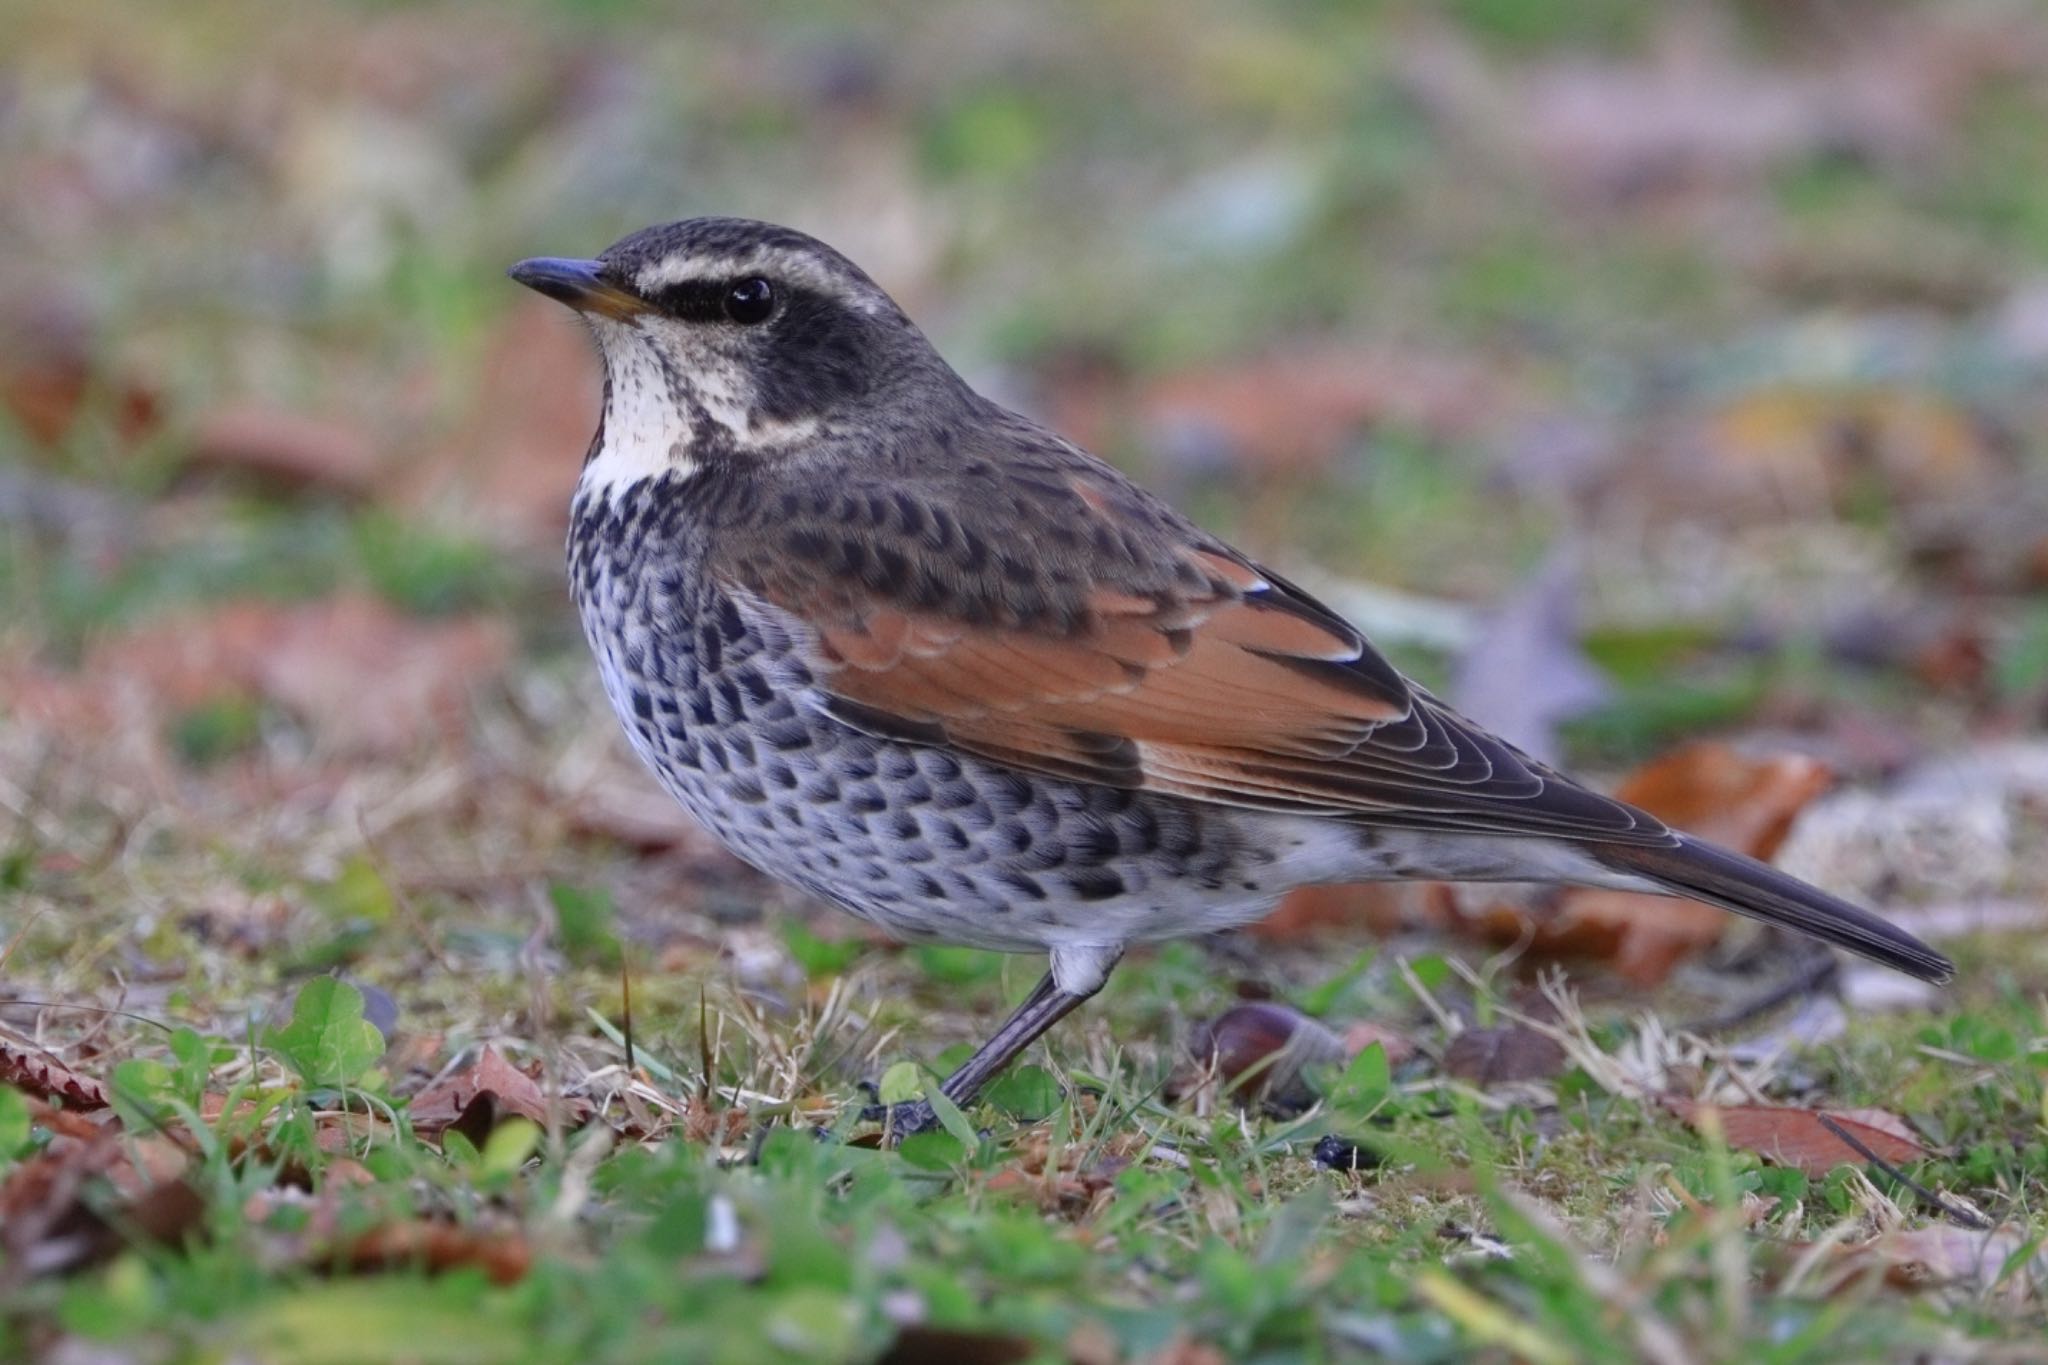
x,y
725,339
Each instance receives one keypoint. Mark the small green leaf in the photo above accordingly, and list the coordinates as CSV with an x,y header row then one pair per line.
x,y
328,1042
583,919
952,1119
1317,1000
932,1151
217,730
14,1123
955,966
901,1083
509,1145
818,957
359,893
459,1150
1025,1092
195,1063
1365,1082
1431,970
142,1090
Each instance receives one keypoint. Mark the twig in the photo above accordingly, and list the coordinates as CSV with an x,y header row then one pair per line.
x,y
626,1006
1955,1213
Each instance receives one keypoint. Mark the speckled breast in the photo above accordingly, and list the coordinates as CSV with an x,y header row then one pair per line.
x,y
715,696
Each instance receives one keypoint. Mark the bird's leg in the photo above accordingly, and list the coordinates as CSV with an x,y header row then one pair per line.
x,y
1076,975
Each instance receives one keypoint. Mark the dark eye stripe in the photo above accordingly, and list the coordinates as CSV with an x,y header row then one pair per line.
x,y
693,300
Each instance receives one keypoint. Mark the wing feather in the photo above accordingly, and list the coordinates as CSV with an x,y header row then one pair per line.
x,y
1146,654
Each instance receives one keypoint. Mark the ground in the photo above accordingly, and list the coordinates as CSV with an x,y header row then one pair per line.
x,y
1663,384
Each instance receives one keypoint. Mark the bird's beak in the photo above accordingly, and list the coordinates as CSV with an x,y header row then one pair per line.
x,y
578,284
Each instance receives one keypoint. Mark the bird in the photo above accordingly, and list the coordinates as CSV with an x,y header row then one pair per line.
x,y
924,658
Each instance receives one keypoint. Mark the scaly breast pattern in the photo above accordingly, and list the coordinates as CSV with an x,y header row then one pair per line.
x,y
928,843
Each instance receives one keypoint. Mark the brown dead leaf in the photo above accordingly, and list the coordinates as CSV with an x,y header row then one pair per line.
x,y
475,1099
1793,1136
1810,448
80,1200
703,1122
1943,1256
1495,1056
373,681
1700,111
502,1253
1077,1185
28,1068
1922,1260
1260,1048
368,680
1705,788
1720,794
52,376
290,451
1299,409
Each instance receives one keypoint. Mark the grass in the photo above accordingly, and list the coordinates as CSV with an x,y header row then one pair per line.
x,y
1138,191
1075,1213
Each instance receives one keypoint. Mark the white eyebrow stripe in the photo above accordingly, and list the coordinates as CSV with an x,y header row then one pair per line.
x,y
762,260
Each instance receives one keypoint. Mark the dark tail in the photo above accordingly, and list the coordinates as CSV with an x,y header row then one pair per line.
x,y
1703,872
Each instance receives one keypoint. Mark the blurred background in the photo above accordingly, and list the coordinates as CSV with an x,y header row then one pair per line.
x,y
1637,373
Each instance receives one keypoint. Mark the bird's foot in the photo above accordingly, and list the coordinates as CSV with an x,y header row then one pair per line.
x,y
903,1120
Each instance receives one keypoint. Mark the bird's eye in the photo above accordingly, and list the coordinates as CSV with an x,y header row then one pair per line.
x,y
750,301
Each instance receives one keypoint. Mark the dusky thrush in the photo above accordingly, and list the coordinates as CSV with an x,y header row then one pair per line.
x,y
922,657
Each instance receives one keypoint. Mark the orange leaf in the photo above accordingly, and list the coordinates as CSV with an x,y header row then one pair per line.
x,y
503,1255
1796,1137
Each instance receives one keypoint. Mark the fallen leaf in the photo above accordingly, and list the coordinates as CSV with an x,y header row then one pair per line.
x,y
1796,1137
1719,793
1299,409
52,377
1810,447
502,1253
365,678
628,806
703,1122
477,1098
1495,1056
81,1200
290,451
1697,111
376,682
1943,1256
28,1068
1704,788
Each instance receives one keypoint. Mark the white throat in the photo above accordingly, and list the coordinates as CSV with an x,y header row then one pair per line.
x,y
651,430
